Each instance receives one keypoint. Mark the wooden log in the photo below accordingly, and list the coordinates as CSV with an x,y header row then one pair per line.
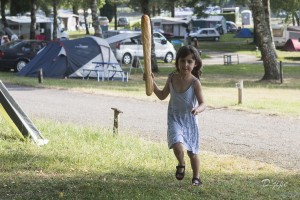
x,y
146,39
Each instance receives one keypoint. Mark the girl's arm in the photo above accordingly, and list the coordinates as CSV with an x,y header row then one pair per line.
x,y
161,94
199,95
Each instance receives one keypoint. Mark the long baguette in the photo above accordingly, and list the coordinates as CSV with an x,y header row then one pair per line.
x,y
146,39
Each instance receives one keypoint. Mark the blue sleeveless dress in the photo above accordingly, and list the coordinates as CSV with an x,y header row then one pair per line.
x,y
182,124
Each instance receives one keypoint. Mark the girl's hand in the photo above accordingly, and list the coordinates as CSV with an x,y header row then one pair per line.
x,y
144,76
195,111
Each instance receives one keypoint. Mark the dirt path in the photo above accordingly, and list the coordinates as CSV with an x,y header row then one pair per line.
x,y
270,139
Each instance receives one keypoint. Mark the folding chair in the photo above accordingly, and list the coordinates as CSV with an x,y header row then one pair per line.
x,y
136,64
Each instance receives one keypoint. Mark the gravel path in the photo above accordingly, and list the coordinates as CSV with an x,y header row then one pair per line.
x,y
271,139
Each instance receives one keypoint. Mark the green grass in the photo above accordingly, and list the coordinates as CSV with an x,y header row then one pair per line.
x,y
218,83
88,163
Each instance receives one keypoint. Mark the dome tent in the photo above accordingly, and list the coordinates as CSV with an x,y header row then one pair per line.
x,y
244,33
70,58
291,45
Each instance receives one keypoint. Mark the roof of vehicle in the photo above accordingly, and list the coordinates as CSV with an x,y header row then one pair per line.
x,y
122,36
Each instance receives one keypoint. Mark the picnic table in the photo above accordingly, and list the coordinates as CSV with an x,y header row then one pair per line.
x,y
105,70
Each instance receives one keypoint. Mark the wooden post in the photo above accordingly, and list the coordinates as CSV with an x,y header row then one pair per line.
x,y
40,75
281,72
240,87
116,120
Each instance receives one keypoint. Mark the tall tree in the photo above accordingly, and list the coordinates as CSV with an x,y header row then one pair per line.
x,y
3,16
288,7
96,23
19,7
33,8
261,16
146,11
55,24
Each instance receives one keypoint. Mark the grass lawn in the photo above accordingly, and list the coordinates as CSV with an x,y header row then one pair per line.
x,y
86,163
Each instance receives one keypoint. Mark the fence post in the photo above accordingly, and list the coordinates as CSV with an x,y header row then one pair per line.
x,y
116,120
240,87
40,75
281,72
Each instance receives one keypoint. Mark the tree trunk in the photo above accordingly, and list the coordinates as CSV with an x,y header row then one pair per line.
x,y
116,16
33,18
3,5
146,11
262,23
85,14
96,23
54,4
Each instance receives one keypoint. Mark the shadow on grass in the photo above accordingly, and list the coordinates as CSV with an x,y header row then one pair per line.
x,y
22,179
293,58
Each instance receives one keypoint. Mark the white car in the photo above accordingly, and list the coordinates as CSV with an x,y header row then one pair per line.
x,y
205,34
128,48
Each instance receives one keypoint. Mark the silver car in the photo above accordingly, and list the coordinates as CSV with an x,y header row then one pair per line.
x,y
205,34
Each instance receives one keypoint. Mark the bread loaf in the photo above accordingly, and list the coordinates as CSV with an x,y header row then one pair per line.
x,y
146,39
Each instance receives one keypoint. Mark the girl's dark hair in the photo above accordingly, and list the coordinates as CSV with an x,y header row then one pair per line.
x,y
183,52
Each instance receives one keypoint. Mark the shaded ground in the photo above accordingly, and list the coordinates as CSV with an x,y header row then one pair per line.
x,y
270,139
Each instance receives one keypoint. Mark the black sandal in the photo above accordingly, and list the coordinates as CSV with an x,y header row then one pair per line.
x,y
180,175
196,182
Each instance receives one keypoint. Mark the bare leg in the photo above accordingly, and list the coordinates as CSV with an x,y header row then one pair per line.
x,y
195,163
178,150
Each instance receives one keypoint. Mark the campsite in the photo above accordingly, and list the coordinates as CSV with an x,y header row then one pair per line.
x,y
60,137
81,140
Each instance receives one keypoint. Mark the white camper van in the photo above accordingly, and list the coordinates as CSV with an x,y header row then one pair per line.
x,y
283,33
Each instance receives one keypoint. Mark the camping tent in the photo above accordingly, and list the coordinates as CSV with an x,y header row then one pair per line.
x,y
292,45
244,33
73,59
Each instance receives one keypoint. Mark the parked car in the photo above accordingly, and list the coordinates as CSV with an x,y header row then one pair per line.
x,y
16,54
231,27
128,48
167,35
103,21
123,21
205,34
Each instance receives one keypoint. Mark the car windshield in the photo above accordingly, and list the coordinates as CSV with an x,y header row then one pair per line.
x,y
123,19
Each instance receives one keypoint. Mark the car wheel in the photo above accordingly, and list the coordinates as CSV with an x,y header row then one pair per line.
x,y
217,39
126,59
169,58
20,65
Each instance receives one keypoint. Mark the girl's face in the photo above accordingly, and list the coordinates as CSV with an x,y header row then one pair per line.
x,y
186,64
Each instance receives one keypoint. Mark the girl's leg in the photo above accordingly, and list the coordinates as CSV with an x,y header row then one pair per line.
x,y
178,150
195,163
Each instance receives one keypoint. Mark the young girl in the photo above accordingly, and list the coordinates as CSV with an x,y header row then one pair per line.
x,y
185,103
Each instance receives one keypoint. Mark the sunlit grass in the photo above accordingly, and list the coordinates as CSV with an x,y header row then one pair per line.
x,y
88,163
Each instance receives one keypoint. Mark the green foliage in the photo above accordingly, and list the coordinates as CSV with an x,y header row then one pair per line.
x,y
108,10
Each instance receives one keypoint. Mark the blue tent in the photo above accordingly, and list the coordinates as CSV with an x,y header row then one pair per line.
x,y
71,58
244,33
